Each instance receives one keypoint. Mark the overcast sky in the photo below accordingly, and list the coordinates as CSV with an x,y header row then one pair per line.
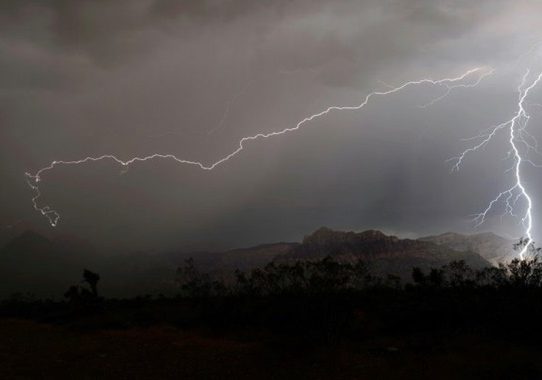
x,y
191,78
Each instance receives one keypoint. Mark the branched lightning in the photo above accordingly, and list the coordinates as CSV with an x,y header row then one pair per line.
x,y
453,85
447,83
229,105
518,136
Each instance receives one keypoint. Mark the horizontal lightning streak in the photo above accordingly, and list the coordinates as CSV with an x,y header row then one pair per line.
x,y
53,216
450,87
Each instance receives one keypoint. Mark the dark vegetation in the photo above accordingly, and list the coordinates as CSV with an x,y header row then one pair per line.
x,y
46,266
322,299
324,303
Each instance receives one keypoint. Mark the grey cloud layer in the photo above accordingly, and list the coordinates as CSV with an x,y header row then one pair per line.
x,y
136,77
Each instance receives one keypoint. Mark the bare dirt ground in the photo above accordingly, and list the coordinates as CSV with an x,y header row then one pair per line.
x,y
30,350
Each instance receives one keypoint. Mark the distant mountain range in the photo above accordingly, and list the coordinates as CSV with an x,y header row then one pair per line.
x,y
385,254
491,247
33,263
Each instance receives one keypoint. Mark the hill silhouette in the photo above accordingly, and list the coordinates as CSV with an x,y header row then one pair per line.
x,y
45,266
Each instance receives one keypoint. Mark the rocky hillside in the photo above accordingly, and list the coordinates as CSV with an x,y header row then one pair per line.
x,y
385,254
491,247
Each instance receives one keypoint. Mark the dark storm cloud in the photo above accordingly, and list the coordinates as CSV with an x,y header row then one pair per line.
x,y
348,32
191,78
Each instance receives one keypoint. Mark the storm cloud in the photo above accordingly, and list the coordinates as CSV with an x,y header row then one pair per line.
x,y
191,78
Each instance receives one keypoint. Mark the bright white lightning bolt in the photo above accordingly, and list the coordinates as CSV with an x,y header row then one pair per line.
x,y
518,134
448,83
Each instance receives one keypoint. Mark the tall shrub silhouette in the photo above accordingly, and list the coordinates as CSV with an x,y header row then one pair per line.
x,y
84,294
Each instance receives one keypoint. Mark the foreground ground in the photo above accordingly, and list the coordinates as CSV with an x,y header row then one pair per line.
x,y
33,350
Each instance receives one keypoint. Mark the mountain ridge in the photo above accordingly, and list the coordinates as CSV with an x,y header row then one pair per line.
x,y
386,254
32,262
494,248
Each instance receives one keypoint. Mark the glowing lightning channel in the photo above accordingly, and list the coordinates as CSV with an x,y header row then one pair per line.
x,y
450,87
516,127
53,216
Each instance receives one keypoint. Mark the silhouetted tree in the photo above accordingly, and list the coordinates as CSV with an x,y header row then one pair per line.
x,y
532,250
361,277
91,279
80,295
496,277
459,274
418,276
192,282
393,281
436,278
525,273
72,294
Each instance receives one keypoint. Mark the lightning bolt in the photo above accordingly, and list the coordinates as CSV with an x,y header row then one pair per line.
x,y
34,180
229,105
516,128
451,86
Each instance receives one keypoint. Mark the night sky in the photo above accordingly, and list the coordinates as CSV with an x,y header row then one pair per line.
x,y
191,78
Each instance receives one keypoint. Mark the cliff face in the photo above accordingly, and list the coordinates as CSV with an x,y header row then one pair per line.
x,y
491,247
386,254
367,244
